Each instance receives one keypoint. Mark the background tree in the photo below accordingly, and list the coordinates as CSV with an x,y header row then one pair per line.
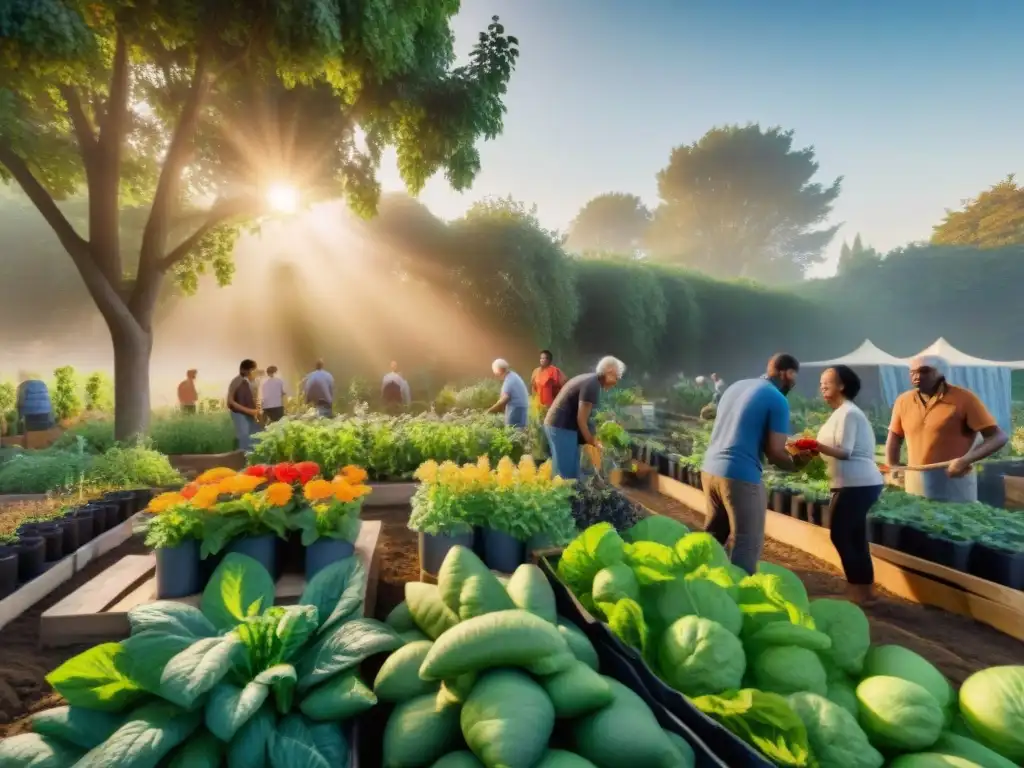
x,y
856,256
172,104
741,203
614,222
994,219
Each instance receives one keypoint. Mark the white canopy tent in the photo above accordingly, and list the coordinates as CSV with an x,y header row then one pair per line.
x,y
869,362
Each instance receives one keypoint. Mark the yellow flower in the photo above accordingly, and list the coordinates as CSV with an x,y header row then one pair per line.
x,y
353,474
165,501
527,468
279,494
505,465
236,485
343,491
427,472
318,490
215,475
206,497
484,464
544,471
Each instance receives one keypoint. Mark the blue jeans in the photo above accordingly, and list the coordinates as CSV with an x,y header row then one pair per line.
x,y
515,416
245,427
565,451
325,410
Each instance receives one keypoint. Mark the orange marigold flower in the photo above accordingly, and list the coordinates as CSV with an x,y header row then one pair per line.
x,y
279,494
190,490
215,475
239,484
317,490
353,474
206,497
165,501
362,490
343,492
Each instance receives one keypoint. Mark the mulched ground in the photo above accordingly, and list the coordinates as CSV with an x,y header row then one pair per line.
x,y
957,645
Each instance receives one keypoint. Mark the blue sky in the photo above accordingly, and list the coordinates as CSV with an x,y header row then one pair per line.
x,y
917,103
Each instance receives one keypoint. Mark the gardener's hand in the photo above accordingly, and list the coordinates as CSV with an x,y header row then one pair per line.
x,y
802,459
958,467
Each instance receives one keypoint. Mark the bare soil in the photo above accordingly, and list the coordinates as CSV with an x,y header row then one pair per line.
x,y
957,645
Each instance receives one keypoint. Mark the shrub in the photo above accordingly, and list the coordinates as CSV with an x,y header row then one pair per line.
x,y
66,402
99,393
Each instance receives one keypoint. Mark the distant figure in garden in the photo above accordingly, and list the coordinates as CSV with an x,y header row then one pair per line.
x,y
272,395
394,389
547,380
941,423
718,384
318,389
752,420
568,423
514,399
847,443
242,404
35,411
188,396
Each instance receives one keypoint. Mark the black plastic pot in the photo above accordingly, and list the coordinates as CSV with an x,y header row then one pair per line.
x,y
434,549
998,565
891,534
952,554
291,554
8,570
874,530
635,450
54,539
31,556
814,511
673,469
502,552
914,542
83,517
780,500
663,466
111,515
69,534
125,501
798,507
825,514
177,570
142,498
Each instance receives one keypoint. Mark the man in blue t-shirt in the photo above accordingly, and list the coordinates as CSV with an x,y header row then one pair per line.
x,y
752,421
514,399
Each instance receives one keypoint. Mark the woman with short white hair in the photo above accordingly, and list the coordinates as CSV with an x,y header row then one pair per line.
x,y
568,422
514,399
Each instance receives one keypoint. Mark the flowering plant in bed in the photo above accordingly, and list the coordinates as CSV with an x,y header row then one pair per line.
x,y
236,681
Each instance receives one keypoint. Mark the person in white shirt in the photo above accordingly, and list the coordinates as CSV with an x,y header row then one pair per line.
x,y
272,395
318,389
847,443
394,389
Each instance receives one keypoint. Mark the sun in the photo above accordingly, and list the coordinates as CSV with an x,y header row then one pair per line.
x,y
283,198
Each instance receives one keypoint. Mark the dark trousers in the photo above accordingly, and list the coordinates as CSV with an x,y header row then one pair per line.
x,y
274,414
188,409
848,510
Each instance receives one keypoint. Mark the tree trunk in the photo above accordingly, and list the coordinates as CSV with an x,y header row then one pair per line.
x,y
132,349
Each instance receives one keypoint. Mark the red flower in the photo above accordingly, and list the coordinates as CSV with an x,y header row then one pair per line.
x,y
307,471
257,470
285,472
806,444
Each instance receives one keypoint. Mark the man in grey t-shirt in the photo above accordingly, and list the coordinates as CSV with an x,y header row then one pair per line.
x,y
514,399
318,389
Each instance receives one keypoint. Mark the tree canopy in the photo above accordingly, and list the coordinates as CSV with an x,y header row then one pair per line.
x,y
614,222
740,202
856,256
994,219
197,107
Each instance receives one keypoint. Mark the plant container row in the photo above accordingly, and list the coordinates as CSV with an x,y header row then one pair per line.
x,y
500,551
40,544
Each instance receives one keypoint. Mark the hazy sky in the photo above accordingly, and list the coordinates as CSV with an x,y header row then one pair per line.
x,y
917,103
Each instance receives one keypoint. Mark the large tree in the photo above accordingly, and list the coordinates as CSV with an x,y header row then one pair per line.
x,y
994,219
856,256
614,222
179,103
741,203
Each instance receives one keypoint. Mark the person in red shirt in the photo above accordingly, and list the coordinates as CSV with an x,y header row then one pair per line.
x,y
547,380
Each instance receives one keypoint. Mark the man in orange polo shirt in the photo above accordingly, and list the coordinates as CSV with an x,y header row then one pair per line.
x,y
941,422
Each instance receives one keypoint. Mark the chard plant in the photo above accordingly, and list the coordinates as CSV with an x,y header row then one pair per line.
x,y
236,682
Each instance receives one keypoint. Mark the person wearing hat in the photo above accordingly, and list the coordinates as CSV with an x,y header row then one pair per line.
x,y
941,423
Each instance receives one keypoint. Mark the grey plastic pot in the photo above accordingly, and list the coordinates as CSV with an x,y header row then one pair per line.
x,y
434,548
323,552
262,549
177,570
503,553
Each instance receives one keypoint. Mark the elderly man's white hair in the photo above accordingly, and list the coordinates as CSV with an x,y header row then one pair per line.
x,y
499,365
937,362
610,363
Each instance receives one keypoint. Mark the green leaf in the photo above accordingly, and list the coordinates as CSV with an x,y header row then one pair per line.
x,y
296,626
651,562
230,707
282,679
218,530
149,653
337,591
199,668
33,750
249,747
170,618
146,737
85,728
239,588
597,547
340,698
344,647
626,621
330,743
292,746
763,720
305,521
99,678
202,750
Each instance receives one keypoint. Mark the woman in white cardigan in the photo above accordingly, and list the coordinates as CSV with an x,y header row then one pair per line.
x,y
847,443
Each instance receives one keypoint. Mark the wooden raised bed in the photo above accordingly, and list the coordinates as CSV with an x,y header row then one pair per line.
x,y
909,577
98,610
30,593
197,463
1013,488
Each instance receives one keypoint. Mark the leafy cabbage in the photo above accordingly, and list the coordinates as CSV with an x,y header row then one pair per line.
x,y
992,703
835,737
697,656
898,715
